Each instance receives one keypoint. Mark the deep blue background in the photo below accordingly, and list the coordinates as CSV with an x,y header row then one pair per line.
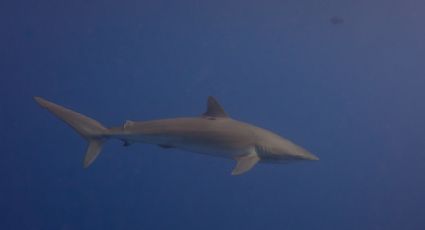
x,y
352,93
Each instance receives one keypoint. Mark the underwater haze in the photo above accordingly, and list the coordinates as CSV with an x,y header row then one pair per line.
x,y
344,79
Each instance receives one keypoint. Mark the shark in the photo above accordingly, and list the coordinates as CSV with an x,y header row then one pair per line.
x,y
213,133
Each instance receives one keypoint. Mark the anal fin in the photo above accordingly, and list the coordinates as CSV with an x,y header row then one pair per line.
x,y
126,143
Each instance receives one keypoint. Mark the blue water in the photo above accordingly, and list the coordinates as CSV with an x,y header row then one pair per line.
x,y
351,92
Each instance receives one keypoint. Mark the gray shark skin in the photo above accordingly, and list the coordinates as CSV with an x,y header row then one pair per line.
x,y
214,133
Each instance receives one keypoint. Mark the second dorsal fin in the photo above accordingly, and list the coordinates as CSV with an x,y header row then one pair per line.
x,y
214,109
127,124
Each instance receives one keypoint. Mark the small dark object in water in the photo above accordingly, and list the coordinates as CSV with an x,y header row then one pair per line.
x,y
336,20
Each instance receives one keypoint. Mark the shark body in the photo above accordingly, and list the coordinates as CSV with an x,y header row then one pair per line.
x,y
213,133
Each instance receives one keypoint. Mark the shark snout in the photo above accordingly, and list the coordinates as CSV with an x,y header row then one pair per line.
x,y
303,154
310,157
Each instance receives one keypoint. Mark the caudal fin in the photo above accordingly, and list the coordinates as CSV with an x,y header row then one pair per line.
x,y
91,130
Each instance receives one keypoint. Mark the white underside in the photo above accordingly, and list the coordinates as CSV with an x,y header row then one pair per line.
x,y
203,148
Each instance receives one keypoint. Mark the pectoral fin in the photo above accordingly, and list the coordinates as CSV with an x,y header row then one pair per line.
x,y
245,163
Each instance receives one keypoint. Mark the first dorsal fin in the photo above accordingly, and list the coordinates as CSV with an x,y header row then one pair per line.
x,y
214,109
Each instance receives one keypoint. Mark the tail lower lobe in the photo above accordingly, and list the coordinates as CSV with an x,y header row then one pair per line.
x,y
91,130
